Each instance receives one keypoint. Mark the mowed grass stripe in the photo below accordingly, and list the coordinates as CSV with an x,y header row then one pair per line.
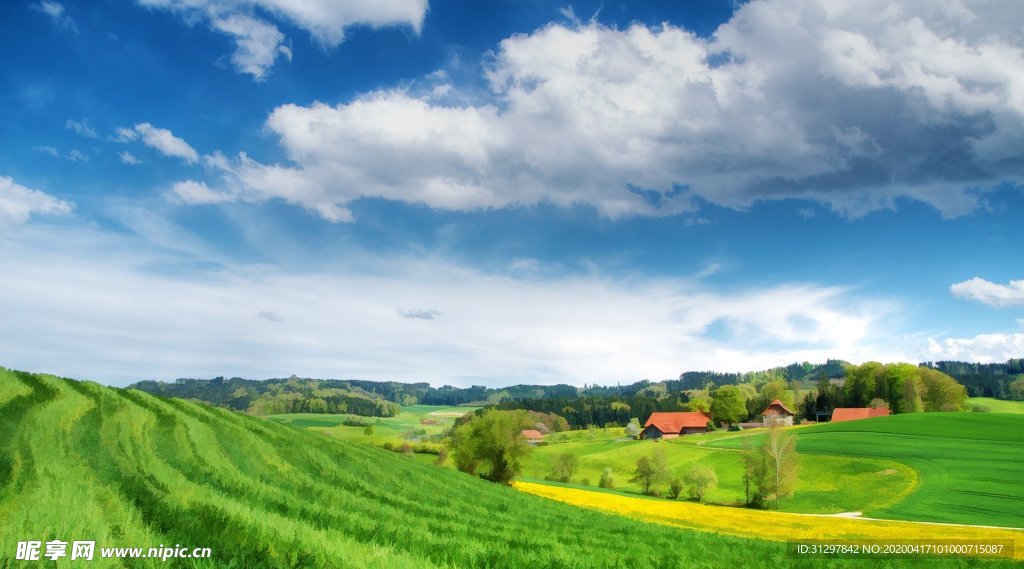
x,y
782,526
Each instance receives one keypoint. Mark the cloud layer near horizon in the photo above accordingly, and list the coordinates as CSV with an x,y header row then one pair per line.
x,y
103,310
854,105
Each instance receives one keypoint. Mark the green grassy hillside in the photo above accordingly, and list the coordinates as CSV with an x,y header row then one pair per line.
x,y
992,405
124,468
828,484
970,466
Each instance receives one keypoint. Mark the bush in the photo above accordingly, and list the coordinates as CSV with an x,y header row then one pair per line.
x,y
675,488
607,480
585,482
442,455
700,478
735,427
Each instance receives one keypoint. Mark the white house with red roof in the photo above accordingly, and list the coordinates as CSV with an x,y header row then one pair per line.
x,y
777,414
671,425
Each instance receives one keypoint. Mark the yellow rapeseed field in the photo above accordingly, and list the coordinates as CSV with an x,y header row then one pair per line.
x,y
779,526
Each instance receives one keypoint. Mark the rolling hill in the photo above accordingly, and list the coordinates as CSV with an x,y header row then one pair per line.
x,y
79,461
969,465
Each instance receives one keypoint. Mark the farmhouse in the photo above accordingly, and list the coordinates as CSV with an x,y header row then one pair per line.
x,y
777,414
671,425
532,435
855,413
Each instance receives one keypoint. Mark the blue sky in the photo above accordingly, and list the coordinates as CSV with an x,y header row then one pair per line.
x,y
506,192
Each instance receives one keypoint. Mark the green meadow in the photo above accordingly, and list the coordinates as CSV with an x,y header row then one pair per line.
x,y
79,461
430,420
969,466
828,484
991,405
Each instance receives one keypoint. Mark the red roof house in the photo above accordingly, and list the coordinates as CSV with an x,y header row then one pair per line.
x,y
671,425
777,414
855,413
532,435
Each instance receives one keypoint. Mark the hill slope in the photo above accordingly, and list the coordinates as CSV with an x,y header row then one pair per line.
x,y
79,461
969,465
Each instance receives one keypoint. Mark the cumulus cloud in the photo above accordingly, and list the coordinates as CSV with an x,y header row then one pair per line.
x,y
58,15
77,156
129,158
853,105
128,321
990,293
161,140
259,42
983,348
81,127
18,203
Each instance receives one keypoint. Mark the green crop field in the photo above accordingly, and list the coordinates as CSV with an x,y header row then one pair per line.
x,y
83,462
428,419
970,466
990,405
828,484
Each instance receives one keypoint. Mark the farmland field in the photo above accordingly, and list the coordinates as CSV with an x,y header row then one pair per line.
x,y
79,461
991,405
768,525
969,465
430,419
828,484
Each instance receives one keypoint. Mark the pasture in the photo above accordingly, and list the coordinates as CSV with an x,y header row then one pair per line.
x,y
991,405
828,484
969,466
426,419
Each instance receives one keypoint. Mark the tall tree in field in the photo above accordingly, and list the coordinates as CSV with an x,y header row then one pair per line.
x,y
1016,388
779,451
727,404
492,445
565,467
755,474
644,474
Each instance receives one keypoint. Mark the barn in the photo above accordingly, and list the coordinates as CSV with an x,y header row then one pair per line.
x,y
671,425
532,435
855,413
777,414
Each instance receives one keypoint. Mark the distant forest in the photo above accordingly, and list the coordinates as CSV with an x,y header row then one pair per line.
x,y
581,406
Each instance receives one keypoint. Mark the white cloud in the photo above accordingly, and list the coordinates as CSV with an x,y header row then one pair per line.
x,y
18,203
77,156
196,193
851,105
52,151
983,348
258,42
111,317
990,293
129,158
81,128
162,140
57,13
419,314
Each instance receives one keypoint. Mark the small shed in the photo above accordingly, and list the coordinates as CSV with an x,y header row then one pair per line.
x,y
856,413
777,414
532,435
671,425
